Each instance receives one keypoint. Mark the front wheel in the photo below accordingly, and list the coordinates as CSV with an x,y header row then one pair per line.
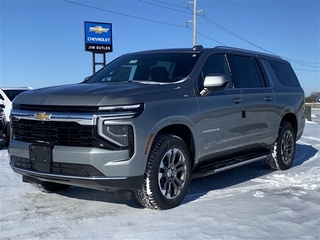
x,y
168,174
283,151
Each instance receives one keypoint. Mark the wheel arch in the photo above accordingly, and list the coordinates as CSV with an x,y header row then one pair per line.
x,y
291,118
185,133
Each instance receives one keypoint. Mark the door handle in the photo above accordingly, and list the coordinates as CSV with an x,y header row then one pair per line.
x,y
237,100
268,99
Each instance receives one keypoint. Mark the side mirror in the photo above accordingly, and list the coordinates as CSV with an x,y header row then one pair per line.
x,y
85,80
2,103
215,81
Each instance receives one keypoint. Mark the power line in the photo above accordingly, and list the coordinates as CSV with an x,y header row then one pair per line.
x,y
279,30
210,21
145,19
308,64
303,63
234,34
206,18
177,6
305,70
157,5
123,14
209,38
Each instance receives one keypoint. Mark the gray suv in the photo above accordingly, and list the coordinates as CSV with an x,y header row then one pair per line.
x,y
150,121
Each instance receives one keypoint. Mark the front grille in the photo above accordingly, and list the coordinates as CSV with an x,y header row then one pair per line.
x,y
51,132
56,108
58,133
77,170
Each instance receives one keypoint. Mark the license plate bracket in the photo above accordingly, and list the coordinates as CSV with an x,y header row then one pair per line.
x,y
41,156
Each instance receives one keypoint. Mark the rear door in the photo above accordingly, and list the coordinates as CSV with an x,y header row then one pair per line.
x,y
258,99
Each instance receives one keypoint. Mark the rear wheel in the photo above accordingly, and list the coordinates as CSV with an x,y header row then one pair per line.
x,y
283,151
49,187
167,176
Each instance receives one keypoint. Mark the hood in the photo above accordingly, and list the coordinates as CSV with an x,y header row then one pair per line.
x,y
98,94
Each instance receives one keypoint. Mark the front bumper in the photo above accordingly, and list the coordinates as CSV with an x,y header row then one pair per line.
x,y
101,183
80,166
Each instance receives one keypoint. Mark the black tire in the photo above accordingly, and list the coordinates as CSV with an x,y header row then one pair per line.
x,y
50,187
168,174
283,151
7,135
2,141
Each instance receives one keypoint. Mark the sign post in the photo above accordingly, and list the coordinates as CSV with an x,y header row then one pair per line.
x,y
98,40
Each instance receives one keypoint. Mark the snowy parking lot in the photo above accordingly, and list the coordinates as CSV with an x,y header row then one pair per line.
x,y
249,202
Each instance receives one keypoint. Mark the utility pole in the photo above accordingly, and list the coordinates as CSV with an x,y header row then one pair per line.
x,y
194,22
195,12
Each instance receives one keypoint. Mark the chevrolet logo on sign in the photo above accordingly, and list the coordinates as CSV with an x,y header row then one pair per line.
x,y
42,116
98,29
97,37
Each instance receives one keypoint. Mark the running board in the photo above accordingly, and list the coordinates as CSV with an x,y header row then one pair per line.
x,y
220,167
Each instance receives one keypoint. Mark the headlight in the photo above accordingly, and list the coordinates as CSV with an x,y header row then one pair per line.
x,y
121,111
121,107
117,134
121,136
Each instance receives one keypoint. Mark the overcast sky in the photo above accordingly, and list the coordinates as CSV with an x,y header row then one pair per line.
x,y
42,41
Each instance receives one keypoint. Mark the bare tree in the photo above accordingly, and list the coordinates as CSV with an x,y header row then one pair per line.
x,y
312,98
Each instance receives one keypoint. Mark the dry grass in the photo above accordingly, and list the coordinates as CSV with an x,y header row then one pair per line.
x,y
313,105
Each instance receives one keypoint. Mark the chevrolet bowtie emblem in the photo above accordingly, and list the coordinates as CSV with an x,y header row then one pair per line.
x,y
42,116
98,29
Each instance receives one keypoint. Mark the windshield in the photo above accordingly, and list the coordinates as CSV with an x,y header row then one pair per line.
x,y
155,67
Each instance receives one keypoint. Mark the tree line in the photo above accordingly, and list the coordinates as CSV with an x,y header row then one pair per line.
x,y
313,97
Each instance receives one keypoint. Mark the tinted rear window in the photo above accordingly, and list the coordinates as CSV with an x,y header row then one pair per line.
x,y
284,73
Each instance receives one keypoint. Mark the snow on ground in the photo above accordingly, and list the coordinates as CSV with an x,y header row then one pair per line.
x,y
249,202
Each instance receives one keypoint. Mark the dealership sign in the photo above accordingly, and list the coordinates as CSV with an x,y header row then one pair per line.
x,y
98,37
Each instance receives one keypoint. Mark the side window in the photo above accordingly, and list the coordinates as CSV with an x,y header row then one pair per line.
x,y
284,73
215,64
245,72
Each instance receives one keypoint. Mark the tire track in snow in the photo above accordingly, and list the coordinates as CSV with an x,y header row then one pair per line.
x,y
309,141
277,183
313,139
